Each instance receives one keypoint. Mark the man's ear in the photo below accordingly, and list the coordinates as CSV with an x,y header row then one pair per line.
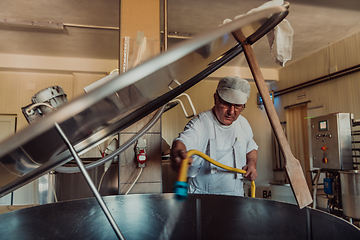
x,y
215,98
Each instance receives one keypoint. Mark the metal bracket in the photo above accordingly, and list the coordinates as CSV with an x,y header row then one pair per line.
x,y
177,83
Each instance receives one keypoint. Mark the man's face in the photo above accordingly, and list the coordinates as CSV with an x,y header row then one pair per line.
x,y
226,112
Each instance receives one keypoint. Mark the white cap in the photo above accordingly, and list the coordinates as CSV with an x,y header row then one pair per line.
x,y
234,90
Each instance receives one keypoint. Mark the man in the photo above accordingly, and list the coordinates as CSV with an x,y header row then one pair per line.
x,y
224,135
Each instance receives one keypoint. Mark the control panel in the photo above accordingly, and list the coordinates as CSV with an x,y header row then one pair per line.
x,y
331,141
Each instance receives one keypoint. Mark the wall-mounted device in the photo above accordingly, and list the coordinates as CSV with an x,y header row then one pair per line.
x,y
260,100
44,102
141,152
331,141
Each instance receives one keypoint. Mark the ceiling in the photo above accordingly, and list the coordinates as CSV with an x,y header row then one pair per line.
x,y
316,23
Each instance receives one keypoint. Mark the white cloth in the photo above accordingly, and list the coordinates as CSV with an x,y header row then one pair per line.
x,y
280,38
225,144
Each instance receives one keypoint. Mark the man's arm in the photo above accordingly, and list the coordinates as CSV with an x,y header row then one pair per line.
x,y
250,168
177,154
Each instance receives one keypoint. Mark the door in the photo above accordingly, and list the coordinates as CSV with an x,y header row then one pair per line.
x,y
7,128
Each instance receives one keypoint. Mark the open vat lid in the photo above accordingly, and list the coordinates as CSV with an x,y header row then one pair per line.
x,y
120,102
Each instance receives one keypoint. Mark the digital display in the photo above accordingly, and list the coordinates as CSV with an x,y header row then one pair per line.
x,y
323,125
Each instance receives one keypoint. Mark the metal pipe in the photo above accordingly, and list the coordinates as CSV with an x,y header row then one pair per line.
x,y
119,67
90,183
296,105
120,47
165,25
188,36
331,76
315,188
89,26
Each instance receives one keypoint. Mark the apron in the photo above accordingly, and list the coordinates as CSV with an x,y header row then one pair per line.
x,y
210,179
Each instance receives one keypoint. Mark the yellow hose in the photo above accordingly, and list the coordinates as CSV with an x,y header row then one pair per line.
x,y
185,164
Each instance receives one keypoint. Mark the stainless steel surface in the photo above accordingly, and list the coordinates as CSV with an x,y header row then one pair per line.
x,y
73,186
350,193
119,149
163,217
281,191
90,183
46,193
100,113
336,139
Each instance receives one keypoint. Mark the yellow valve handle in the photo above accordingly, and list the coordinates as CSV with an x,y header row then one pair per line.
x,y
185,163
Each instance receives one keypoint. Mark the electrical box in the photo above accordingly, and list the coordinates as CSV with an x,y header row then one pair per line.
x,y
331,141
328,186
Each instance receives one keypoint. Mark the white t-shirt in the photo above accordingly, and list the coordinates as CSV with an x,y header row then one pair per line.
x,y
225,144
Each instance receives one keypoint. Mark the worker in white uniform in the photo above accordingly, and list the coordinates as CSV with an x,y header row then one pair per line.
x,y
224,135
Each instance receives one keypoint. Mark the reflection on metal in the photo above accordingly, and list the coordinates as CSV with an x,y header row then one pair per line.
x,y
161,216
122,101
91,184
44,189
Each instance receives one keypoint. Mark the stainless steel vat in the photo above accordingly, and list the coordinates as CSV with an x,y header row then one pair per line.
x,y
163,217
114,106
350,193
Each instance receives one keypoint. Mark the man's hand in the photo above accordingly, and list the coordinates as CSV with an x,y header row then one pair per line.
x,y
177,154
251,172
250,167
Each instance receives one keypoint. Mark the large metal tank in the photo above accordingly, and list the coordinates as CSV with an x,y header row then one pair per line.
x,y
350,193
89,119
116,104
163,217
